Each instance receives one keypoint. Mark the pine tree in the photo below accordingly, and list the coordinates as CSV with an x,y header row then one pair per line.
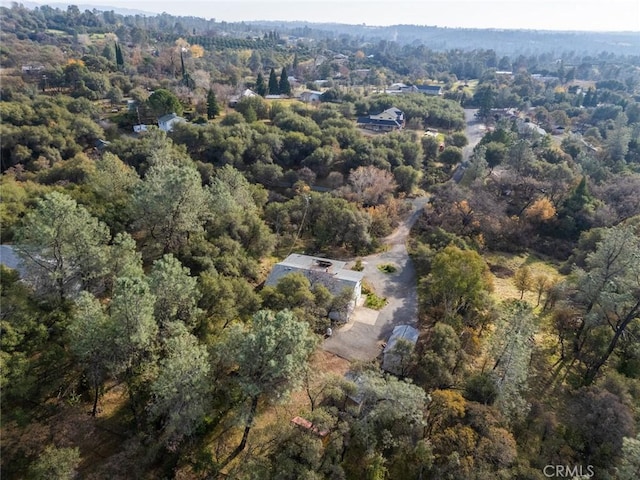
x,y
213,109
261,87
285,86
119,57
274,88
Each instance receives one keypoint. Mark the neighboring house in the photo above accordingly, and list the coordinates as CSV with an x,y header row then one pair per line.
x,y
387,121
140,128
167,122
233,101
429,89
10,259
330,273
529,128
401,88
393,362
101,144
310,96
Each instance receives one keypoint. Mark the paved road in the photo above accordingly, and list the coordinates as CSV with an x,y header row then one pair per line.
x,y
474,131
361,338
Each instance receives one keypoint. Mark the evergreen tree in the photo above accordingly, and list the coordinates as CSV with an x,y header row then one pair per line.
x,y
213,109
119,57
274,88
285,86
261,87
295,63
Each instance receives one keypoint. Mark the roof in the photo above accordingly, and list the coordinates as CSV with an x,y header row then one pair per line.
x,y
391,361
429,88
168,117
10,259
406,332
331,273
307,425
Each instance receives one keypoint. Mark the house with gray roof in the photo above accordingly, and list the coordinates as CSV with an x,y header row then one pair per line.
x,y
386,121
167,122
333,274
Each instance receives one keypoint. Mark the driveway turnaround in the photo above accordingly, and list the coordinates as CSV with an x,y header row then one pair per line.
x,y
362,338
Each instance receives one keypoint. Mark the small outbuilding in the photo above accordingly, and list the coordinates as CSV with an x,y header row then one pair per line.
x,y
394,360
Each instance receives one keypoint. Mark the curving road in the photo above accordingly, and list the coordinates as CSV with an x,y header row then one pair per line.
x,y
362,337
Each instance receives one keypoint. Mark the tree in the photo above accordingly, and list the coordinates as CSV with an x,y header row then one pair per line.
x,y
56,463
274,87
458,282
407,178
170,204
162,102
629,464
176,293
451,156
119,57
439,358
523,280
261,87
598,422
213,108
284,87
269,359
64,248
370,185
485,97
511,350
134,335
609,290
180,393
91,336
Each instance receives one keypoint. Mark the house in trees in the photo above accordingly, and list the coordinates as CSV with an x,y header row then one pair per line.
x,y
434,90
389,120
167,122
310,96
233,101
330,273
395,358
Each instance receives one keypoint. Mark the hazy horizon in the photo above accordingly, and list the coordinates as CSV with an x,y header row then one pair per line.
x,y
589,15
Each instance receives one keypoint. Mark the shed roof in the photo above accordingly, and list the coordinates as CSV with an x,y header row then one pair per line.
x,y
10,259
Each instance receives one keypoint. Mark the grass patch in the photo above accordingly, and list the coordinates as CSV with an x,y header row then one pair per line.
x,y
358,266
388,268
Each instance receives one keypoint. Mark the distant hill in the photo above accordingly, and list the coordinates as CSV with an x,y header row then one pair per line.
x,y
506,42
82,8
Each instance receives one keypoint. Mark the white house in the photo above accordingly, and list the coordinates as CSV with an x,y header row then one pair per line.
x,y
310,96
166,122
330,273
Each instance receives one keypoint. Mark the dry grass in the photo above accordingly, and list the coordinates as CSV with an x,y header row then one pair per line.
x,y
504,287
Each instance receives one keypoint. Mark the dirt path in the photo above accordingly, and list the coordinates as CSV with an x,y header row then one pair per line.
x,y
361,338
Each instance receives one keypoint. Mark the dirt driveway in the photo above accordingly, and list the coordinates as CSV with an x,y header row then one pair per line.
x,y
361,338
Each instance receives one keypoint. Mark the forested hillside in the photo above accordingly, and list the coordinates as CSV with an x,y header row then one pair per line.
x,y
155,169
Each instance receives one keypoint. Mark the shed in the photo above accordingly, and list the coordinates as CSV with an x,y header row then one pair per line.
x,y
393,362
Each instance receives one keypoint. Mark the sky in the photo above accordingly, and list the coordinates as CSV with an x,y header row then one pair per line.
x,y
585,15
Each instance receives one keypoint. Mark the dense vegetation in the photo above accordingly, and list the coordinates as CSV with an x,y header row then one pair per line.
x,y
141,342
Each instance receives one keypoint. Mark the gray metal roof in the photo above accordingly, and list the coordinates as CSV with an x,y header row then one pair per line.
x,y
406,332
329,272
9,258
